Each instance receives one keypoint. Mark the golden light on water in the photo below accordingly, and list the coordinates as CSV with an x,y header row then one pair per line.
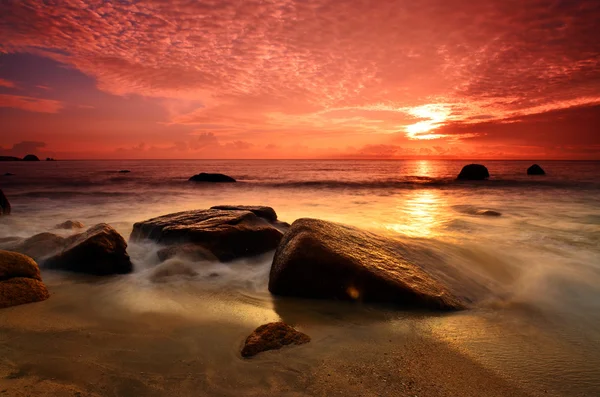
x,y
419,214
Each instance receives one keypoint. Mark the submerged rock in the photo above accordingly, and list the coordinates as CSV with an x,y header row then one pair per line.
x,y
20,280
319,259
535,170
488,213
272,336
31,157
474,172
226,234
100,251
4,204
192,252
40,246
124,172
204,177
69,225
9,174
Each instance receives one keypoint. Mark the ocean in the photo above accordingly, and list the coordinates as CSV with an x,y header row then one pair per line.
x,y
537,322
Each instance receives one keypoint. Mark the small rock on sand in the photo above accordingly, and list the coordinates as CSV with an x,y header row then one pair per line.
x,y
272,336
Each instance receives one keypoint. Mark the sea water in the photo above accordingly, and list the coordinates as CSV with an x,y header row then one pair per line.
x,y
537,266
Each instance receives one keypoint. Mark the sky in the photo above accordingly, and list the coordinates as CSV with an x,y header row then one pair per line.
x,y
191,79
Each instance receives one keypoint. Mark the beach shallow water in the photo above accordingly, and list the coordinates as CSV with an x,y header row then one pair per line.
x,y
534,331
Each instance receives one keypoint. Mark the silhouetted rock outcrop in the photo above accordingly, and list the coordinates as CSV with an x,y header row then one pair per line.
x,y
100,251
4,204
20,280
8,174
272,336
9,158
124,172
227,234
69,225
204,177
474,172
319,259
535,170
31,157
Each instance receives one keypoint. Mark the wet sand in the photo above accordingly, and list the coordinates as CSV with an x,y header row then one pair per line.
x,y
123,337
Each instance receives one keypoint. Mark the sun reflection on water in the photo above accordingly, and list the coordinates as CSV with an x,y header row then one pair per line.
x,y
419,214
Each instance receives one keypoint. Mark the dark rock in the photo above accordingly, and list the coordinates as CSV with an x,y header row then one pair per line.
x,y
226,234
50,159
9,158
535,170
272,336
99,251
31,157
264,212
319,259
4,204
40,246
192,252
488,213
474,172
69,225
168,270
204,177
20,280
9,174
124,172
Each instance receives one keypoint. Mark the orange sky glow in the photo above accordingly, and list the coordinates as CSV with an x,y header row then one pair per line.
x,y
300,79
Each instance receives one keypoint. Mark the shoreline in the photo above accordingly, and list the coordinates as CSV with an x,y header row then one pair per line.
x,y
89,338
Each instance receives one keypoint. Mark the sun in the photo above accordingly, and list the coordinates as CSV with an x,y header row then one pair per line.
x,y
437,115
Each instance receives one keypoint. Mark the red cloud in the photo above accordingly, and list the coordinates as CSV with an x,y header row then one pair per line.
x,y
30,104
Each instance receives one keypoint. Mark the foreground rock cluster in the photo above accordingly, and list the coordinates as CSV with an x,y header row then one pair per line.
x,y
20,280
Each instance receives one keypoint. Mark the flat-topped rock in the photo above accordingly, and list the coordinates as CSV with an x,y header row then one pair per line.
x,y
205,177
474,172
100,251
20,280
4,204
227,234
272,336
264,212
320,259
535,170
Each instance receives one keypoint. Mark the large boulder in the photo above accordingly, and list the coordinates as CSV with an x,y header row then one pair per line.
x,y
204,177
191,252
100,251
4,204
474,172
31,157
20,280
319,259
227,234
272,336
535,170
264,212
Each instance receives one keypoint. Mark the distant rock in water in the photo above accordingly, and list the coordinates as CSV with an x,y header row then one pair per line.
x,y
124,172
9,174
474,172
69,225
4,204
9,158
488,213
31,157
320,259
20,280
100,251
535,170
204,177
272,336
227,234
50,159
